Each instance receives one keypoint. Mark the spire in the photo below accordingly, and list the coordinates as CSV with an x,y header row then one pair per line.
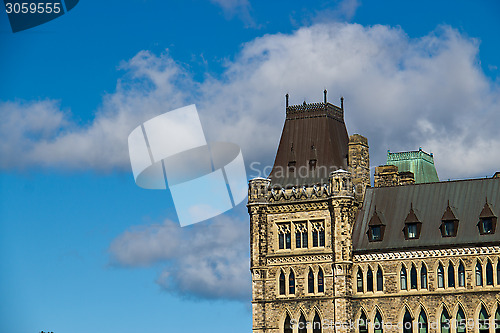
x,y
342,103
324,93
286,98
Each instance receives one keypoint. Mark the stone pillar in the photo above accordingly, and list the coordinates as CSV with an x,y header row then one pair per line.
x,y
359,164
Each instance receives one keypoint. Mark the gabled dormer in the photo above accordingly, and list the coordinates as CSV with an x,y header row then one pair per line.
x,y
376,228
487,220
413,226
449,223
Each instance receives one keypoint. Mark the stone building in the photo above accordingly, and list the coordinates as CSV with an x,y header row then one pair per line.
x,y
331,253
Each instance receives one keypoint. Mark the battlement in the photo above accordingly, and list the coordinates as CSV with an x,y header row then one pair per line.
x,y
311,110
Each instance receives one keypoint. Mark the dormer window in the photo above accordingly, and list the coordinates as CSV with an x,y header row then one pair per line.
x,y
487,221
291,166
412,225
312,164
449,223
375,228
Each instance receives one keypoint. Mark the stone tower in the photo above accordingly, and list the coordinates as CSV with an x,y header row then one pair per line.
x,y
301,222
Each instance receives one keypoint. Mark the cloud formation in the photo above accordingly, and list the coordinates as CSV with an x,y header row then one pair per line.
x,y
205,260
400,92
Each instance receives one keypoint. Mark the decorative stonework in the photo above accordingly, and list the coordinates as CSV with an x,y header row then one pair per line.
x,y
426,253
299,259
299,207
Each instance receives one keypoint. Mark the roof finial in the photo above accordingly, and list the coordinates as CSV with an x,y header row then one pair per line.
x,y
304,102
324,92
342,103
286,98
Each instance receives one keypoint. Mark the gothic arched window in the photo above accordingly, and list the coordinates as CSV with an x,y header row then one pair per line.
x,y
461,275
479,274
445,321
317,324
403,278
440,276
461,322
451,275
497,319
422,322
362,323
321,281
288,324
498,272
310,282
369,280
380,279
282,283
423,277
302,324
407,322
413,277
483,320
489,273
378,324
359,281
291,283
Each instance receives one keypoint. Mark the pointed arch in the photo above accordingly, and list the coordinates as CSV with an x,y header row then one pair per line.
x,y
321,281
317,327
444,320
479,273
378,326
359,281
362,322
369,279
460,320
413,277
489,273
451,275
310,281
380,279
403,279
483,319
423,276
282,283
498,272
291,282
497,319
440,276
422,323
302,323
287,325
461,274
407,321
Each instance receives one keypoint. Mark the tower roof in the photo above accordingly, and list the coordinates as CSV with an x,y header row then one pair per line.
x,y
418,162
313,143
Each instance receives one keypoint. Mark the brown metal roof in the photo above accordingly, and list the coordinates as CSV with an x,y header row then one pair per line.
x,y
466,200
313,143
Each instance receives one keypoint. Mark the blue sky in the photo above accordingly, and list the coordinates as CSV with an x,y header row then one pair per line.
x,y
83,248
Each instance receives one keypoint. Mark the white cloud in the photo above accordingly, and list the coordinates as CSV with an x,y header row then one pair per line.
x,y
205,260
400,92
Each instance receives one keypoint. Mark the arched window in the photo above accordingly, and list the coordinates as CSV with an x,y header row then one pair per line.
x,y
359,281
451,275
440,275
310,282
380,279
291,283
317,324
413,277
288,324
479,274
498,272
302,324
362,323
489,273
422,322
321,281
483,321
282,283
369,280
378,324
461,275
407,322
461,322
445,321
423,277
403,279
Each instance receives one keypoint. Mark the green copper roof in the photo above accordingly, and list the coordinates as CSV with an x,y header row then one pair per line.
x,y
418,162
